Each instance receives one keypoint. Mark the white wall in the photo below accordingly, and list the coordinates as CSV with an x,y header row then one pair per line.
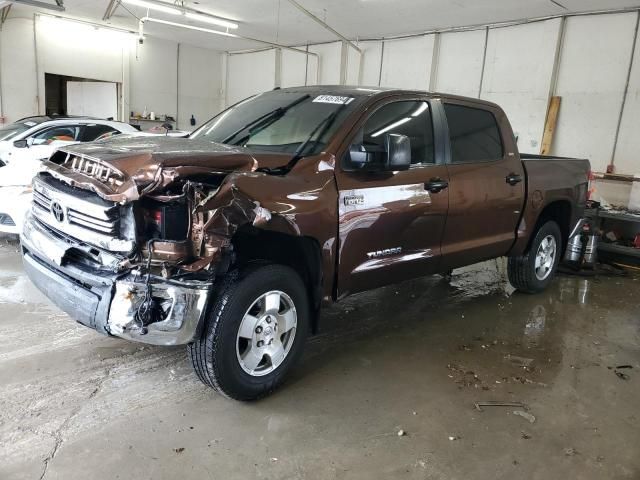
x,y
293,71
199,85
593,71
154,77
406,63
250,73
147,74
517,76
627,158
18,86
460,63
370,63
329,64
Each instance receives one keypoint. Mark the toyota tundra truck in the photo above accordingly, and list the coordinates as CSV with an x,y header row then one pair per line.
x,y
229,241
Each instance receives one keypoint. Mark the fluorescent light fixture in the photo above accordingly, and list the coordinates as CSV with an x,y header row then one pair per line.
x,y
189,27
392,126
423,106
154,6
72,28
175,10
212,20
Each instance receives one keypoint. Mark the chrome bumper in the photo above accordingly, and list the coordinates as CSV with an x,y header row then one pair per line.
x,y
108,301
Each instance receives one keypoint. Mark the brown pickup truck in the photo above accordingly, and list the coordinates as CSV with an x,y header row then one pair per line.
x,y
230,240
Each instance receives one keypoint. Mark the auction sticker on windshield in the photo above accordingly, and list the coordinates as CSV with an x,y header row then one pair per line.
x,y
333,99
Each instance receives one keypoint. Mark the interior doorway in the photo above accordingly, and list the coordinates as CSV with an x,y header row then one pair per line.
x,y
66,95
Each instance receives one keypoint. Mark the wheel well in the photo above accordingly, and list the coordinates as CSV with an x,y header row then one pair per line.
x,y
560,212
302,254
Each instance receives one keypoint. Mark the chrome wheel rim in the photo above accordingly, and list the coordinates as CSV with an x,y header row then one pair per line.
x,y
266,333
545,257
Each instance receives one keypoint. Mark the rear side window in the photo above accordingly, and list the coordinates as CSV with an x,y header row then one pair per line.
x,y
474,134
412,119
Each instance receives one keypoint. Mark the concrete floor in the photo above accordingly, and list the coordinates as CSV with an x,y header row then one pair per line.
x,y
74,404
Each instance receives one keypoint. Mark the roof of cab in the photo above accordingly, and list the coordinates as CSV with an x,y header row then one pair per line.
x,y
364,91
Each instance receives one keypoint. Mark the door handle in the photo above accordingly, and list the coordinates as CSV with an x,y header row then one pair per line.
x,y
513,179
436,185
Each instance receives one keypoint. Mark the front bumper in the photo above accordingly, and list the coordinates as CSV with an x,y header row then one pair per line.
x,y
108,301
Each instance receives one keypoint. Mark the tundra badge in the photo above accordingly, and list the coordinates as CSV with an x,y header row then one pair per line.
x,y
354,200
385,252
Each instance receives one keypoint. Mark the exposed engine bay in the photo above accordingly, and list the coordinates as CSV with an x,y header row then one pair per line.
x,y
162,230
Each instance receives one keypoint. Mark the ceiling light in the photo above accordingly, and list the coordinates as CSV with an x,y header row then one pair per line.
x,y
183,25
423,106
208,19
154,6
72,28
392,126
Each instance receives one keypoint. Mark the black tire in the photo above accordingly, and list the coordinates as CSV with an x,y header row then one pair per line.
x,y
522,271
213,355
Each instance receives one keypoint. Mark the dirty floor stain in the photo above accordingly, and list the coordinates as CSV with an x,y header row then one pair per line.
x,y
386,390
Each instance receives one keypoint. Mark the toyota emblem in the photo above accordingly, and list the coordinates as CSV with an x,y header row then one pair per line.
x,y
57,211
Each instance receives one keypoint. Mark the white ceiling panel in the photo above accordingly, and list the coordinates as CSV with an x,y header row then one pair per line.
x,y
279,21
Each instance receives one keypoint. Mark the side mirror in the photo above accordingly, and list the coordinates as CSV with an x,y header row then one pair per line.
x,y
398,152
393,155
21,144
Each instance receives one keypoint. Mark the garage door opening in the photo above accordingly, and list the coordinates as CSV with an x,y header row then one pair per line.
x,y
66,95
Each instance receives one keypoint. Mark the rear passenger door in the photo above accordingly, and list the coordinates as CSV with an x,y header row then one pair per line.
x,y
486,184
391,223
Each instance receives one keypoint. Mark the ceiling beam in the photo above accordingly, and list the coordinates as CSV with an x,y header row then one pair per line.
x,y
4,12
58,6
111,9
324,24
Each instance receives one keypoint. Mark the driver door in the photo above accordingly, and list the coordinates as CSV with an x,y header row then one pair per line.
x,y
391,222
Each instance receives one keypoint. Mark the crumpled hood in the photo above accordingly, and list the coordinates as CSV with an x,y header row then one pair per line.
x,y
127,167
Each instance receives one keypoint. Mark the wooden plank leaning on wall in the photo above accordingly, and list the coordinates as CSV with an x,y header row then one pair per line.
x,y
550,125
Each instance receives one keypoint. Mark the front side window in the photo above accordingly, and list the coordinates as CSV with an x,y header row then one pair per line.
x,y
280,121
474,134
66,133
97,132
411,119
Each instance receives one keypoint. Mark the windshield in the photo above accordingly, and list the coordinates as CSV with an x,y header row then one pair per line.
x,y
13,130
279,121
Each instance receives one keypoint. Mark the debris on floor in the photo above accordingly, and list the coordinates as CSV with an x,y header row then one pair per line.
x,y
570,452
179,449
454,437
523,362
498,403
621,375
401,433
526,415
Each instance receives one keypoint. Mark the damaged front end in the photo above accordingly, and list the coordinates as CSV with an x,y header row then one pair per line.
x,y
130,241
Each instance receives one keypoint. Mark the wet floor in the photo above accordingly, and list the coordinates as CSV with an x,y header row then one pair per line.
x,y
413,357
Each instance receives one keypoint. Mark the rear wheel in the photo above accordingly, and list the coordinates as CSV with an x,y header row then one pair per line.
x,y
533,271
254,333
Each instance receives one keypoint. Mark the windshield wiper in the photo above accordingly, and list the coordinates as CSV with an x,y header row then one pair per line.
x,y
264,121
320,130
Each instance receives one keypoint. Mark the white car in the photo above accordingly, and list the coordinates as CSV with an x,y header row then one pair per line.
x,y
25,143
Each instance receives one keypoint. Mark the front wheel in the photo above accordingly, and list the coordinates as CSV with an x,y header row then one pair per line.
x,y
254,333
533,271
